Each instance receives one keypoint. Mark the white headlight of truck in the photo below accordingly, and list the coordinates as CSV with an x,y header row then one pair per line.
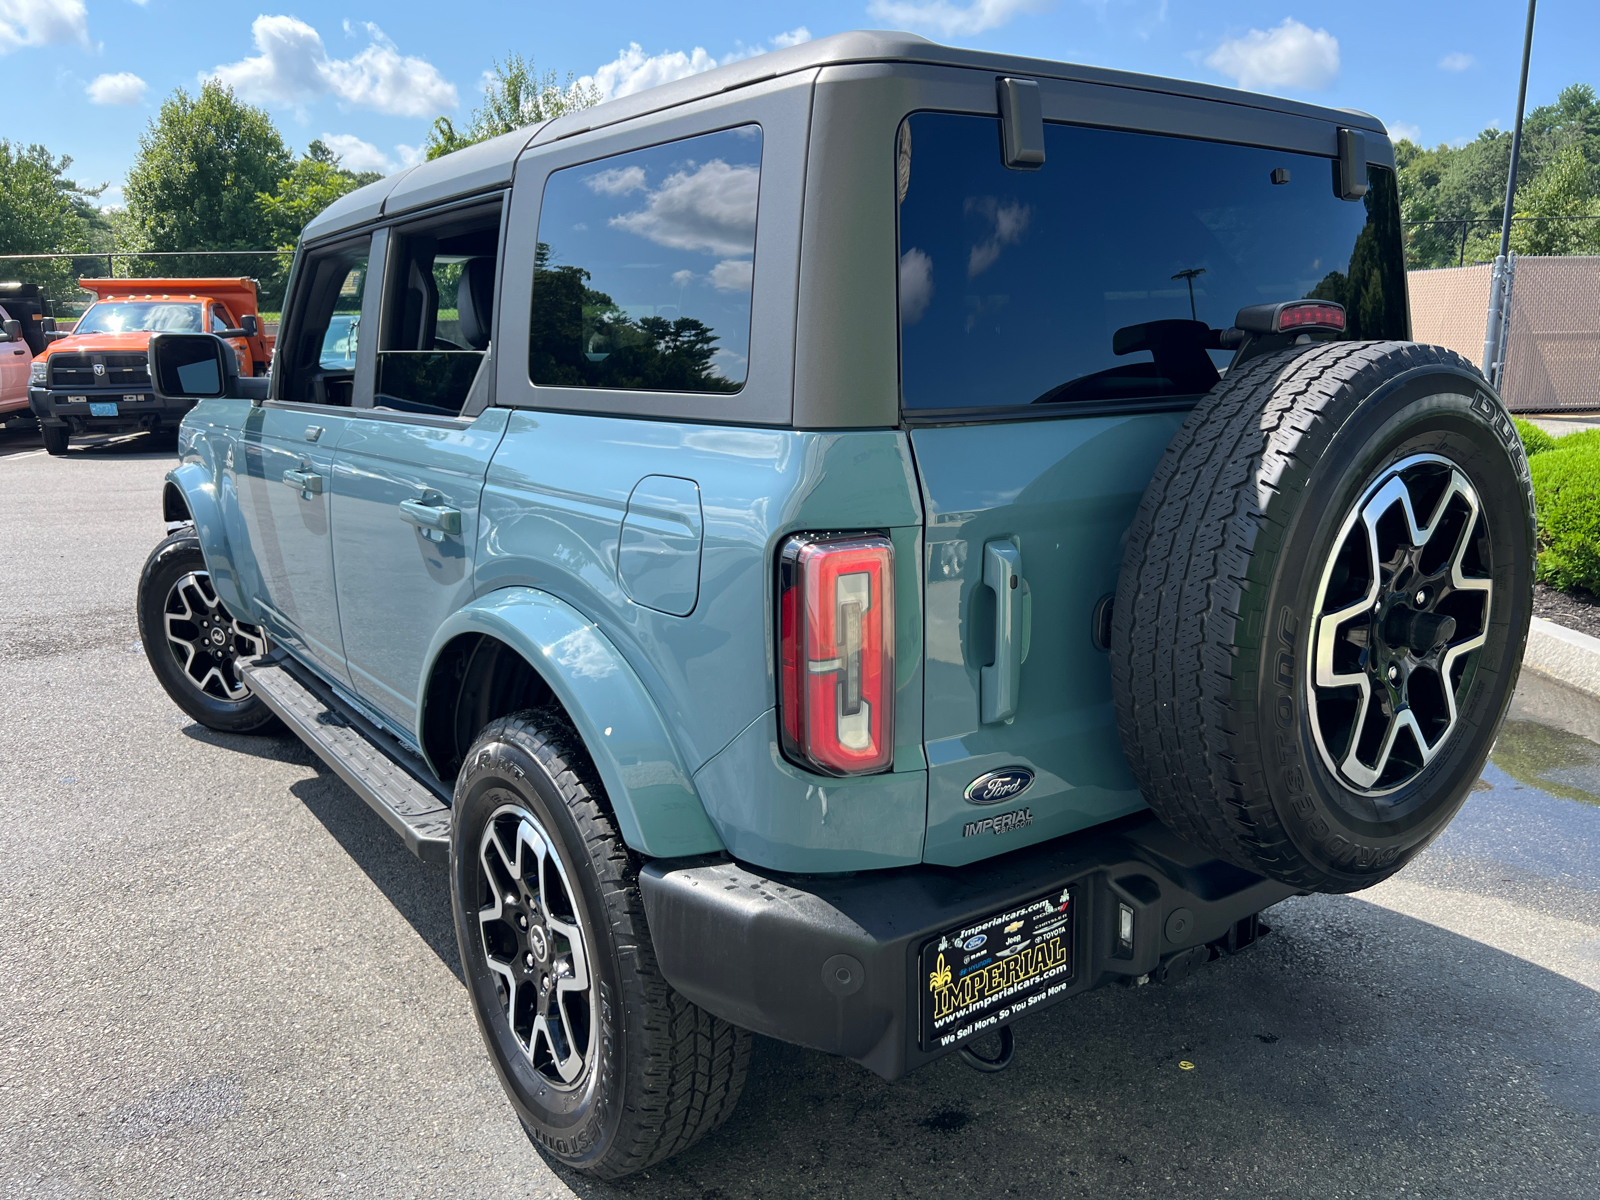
x,y
36,372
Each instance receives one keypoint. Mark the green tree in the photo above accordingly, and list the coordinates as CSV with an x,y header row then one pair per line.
x,y
1564,190
315,181
514,96
1452,185
42,211
200,168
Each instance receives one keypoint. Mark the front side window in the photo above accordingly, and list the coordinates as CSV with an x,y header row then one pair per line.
x,y
1014,284
138,316
646,266
317,355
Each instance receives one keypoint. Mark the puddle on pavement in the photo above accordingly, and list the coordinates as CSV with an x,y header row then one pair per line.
x,y
1537,808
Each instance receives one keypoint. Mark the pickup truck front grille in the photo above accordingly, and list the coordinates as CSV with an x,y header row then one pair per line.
x,y
122,371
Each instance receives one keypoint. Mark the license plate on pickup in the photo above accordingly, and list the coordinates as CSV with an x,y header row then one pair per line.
x,y
102,408
992,970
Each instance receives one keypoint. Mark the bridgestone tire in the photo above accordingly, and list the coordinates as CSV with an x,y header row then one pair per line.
x,y
664,1073
55,438
179,555
1238,540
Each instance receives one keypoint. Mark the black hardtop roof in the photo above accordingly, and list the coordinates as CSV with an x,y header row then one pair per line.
x,y
489,164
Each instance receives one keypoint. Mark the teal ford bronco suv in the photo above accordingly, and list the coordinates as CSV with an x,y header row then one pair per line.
x,y
791,542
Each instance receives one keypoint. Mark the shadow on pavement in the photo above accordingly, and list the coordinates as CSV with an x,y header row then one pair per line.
x,y
419,891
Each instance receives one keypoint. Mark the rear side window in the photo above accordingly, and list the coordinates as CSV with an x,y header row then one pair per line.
x,y
645,268
1013,284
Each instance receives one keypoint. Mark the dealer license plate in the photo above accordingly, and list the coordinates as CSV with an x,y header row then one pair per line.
x,y
991,971
102,408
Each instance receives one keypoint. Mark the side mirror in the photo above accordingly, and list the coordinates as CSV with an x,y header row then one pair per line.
x,y
55,335
250,325
13,331
192,366
48,324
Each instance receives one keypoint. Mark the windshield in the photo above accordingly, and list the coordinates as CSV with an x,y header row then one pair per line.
x,y
156,316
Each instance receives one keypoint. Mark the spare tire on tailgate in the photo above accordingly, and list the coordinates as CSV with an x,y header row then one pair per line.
x,y
1322,609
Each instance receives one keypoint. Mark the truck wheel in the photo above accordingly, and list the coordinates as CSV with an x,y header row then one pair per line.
x,y
1322,609
193,644
608,1068
55,438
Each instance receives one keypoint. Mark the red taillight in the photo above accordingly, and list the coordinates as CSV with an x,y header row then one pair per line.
x,y
836,652
1317,316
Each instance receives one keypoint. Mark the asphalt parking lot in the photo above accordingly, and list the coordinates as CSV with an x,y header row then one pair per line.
x,y
221,975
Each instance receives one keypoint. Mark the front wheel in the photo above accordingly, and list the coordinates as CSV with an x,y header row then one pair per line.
x,y
55,439
194,645
609,1069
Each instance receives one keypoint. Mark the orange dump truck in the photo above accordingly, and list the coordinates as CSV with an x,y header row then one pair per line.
x,y
96,379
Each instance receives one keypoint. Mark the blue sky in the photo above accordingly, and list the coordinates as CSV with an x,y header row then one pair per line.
x,y
86,76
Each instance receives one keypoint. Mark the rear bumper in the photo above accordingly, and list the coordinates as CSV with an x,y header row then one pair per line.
x,y
53,407
835,963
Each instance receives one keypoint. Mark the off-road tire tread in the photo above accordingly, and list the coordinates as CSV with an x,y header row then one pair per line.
x,y
695,1064
1176,622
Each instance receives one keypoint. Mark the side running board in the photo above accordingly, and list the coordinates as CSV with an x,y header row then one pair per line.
x,y
372,762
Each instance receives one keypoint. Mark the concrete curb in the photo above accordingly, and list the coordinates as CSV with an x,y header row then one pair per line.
x,y
1564,654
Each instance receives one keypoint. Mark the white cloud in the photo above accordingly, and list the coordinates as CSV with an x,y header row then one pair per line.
x,y
124,88
357,155
1404,130
1008,225
42,23
1456,62
410,156
633,70
916,285
683,278
710,207
616,181
952,20
294,68
733,275
1290,56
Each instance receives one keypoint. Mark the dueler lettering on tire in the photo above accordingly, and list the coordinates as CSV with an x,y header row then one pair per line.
x,y
607,1067
1322,609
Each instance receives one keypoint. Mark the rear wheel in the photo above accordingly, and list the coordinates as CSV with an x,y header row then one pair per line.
x,y
55,438
1322,609
608,1068
194,644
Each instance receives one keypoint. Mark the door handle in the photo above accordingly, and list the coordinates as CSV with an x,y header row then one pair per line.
x,y
307,482
998,685
431,518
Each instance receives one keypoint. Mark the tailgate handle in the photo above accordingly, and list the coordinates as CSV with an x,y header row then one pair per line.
x,y
999,684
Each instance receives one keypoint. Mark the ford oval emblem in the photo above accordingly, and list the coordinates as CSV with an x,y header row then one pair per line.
x,y
975,942
999,785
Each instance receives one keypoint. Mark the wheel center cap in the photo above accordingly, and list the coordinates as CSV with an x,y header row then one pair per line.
x,y
537,943
218,636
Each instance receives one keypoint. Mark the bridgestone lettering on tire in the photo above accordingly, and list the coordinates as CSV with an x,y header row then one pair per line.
x,y
1322,609
607,1067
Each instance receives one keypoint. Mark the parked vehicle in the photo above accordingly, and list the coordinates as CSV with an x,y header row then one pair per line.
x,y
97,379
22,305
796,551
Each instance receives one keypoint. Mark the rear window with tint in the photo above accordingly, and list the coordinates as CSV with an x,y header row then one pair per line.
x,y
1014,283
646,262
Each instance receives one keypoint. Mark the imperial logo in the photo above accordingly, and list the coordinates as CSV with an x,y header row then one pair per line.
x,y
996,786
999,823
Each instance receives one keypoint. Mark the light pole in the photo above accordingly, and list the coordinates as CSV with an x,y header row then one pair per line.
x,y
1188,275
1494,352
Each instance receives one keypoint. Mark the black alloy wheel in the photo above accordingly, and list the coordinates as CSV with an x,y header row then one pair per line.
x,y
193,644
